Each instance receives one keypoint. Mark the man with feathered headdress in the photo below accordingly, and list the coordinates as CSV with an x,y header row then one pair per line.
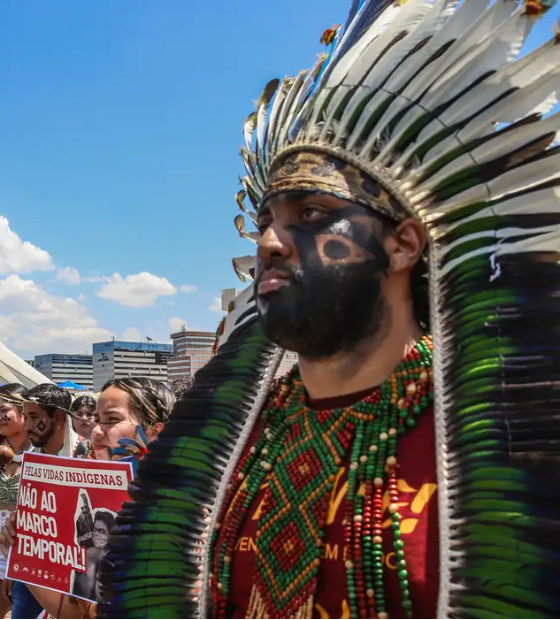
x,y
417,146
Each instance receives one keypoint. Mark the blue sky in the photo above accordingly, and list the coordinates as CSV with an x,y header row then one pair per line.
x,y
120,129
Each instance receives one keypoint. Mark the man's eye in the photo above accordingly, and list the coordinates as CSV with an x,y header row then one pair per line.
x,y
262,225
312,214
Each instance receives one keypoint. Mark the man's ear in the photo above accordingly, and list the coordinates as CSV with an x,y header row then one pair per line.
x,y
59,417
404,246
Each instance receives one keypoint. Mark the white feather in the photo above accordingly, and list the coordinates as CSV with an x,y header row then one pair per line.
x,y
353,56
540,201
430,21
538,96
376,101
287,111
546,242
520,178
501,233
515,75
501,144
500,47
262,114
248,129
467,40
542,243
275,113
341,68
453,23
253,170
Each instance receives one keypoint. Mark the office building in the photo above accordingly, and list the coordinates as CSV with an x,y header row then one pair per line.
x,y
228,295
288,361
117,359
59,367
191,351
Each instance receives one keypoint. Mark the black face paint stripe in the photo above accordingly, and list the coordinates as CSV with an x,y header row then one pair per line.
x,y
305,236
336,250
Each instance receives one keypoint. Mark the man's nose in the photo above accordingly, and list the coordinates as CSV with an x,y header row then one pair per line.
x,y
275,241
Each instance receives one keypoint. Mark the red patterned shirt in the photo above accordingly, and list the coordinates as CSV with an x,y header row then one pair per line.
x,y
419,528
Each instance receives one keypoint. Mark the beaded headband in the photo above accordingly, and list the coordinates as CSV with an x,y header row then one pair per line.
x,y
37,401
12,399
319,172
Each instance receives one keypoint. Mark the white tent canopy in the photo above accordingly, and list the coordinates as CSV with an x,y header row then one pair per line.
x,y
14,370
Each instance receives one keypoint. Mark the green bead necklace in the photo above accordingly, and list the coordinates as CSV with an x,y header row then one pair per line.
x,y
299,454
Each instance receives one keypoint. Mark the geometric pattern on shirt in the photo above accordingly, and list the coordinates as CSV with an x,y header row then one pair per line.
x,y
289,540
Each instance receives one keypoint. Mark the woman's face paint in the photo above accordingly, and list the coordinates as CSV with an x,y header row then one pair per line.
x,y
319,269
115,418
12,421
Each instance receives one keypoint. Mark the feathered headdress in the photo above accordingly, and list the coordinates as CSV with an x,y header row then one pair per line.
x,y
431,102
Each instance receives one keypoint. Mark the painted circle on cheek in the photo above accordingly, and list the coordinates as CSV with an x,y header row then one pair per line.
x,y
336,250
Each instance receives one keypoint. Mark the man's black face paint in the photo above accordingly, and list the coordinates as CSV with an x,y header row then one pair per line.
x,y
333,301
41,432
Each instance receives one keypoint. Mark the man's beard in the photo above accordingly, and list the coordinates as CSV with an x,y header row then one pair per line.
x,y
324,310
39,441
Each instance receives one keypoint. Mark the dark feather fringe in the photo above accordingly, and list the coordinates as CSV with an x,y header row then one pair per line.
x,y
502,378
152,569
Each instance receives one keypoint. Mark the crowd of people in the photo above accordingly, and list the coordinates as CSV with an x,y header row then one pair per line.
x,y
47,419
388,474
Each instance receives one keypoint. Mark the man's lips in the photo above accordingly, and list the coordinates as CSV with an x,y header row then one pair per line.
x,y
271,280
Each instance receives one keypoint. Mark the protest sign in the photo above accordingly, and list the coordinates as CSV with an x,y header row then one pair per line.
x,y
66,509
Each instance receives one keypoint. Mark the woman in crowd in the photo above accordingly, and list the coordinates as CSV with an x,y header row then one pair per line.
x,y
129,412
83,420
14,443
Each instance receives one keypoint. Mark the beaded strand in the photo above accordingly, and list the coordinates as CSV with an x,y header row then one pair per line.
x,y
369,431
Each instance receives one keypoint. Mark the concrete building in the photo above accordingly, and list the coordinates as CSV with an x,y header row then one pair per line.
x,y
117,359
59,367
191,351
288,362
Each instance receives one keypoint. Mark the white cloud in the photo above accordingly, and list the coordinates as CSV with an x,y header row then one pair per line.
x,y
17,256
188,288
132,334
216,305
81,297
136,291
175,324
69,275
34,321
97,279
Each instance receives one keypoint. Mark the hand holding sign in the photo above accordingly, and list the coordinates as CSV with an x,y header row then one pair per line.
x,y
7,535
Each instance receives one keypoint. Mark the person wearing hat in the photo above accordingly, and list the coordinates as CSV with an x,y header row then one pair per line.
x,y
48,424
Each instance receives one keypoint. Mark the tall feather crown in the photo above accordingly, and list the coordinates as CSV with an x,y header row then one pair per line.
x,y
431,100
426,98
